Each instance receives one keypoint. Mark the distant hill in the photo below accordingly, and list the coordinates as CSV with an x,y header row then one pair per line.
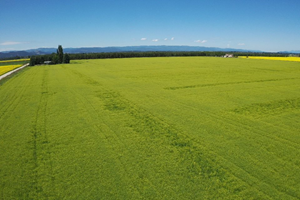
x,y
148,48
14,54
293,51
43,51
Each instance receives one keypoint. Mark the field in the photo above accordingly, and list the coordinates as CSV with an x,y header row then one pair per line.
x,y
16,60
8,65
152,128
295,59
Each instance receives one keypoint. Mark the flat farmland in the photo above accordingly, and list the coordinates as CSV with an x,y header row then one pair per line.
x,y
152,128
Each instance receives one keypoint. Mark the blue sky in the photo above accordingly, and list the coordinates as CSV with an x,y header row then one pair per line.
x,y
267,25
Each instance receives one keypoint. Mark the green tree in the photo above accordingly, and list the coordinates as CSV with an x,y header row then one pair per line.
x,y
55,59
38,60
60,54
32,61
66,58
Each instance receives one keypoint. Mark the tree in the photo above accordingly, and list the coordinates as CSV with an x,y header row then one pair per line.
x,y
66,58
55,59
32,61
38,60
60,54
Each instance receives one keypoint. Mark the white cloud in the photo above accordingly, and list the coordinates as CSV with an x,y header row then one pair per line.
x,y
241,44
201,41
172,38
155,40
166,39
143,38
10,43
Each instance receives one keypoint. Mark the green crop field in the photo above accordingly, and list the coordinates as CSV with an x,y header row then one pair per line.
x,y
13,62
152,128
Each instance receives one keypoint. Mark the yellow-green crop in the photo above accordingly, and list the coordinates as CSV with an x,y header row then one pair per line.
x,y
7,68
296,59
16,60
152,128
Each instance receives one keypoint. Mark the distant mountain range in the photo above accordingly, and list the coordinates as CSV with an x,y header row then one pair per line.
x,y
14,54
294,51
44,51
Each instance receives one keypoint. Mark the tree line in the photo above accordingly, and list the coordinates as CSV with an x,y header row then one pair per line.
x,y
54,58
166,54
60,57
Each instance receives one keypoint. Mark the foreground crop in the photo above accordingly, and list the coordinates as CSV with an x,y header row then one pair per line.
x,y
151,128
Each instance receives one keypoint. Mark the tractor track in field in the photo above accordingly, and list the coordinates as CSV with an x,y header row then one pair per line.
x,y
227,83
235,124
41,153
232,123
160,121
108,138
214,153
229,122
128,106
171,132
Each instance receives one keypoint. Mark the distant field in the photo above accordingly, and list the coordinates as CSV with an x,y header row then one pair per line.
x,y
8,65
152,128
295,59
16,60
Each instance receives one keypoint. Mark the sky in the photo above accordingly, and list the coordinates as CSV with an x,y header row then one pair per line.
x,y
266,25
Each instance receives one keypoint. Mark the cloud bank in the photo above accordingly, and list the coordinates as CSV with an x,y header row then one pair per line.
x,y
10,43
201,41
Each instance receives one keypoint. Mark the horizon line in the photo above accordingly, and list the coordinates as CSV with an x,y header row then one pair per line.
x,y
287,51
